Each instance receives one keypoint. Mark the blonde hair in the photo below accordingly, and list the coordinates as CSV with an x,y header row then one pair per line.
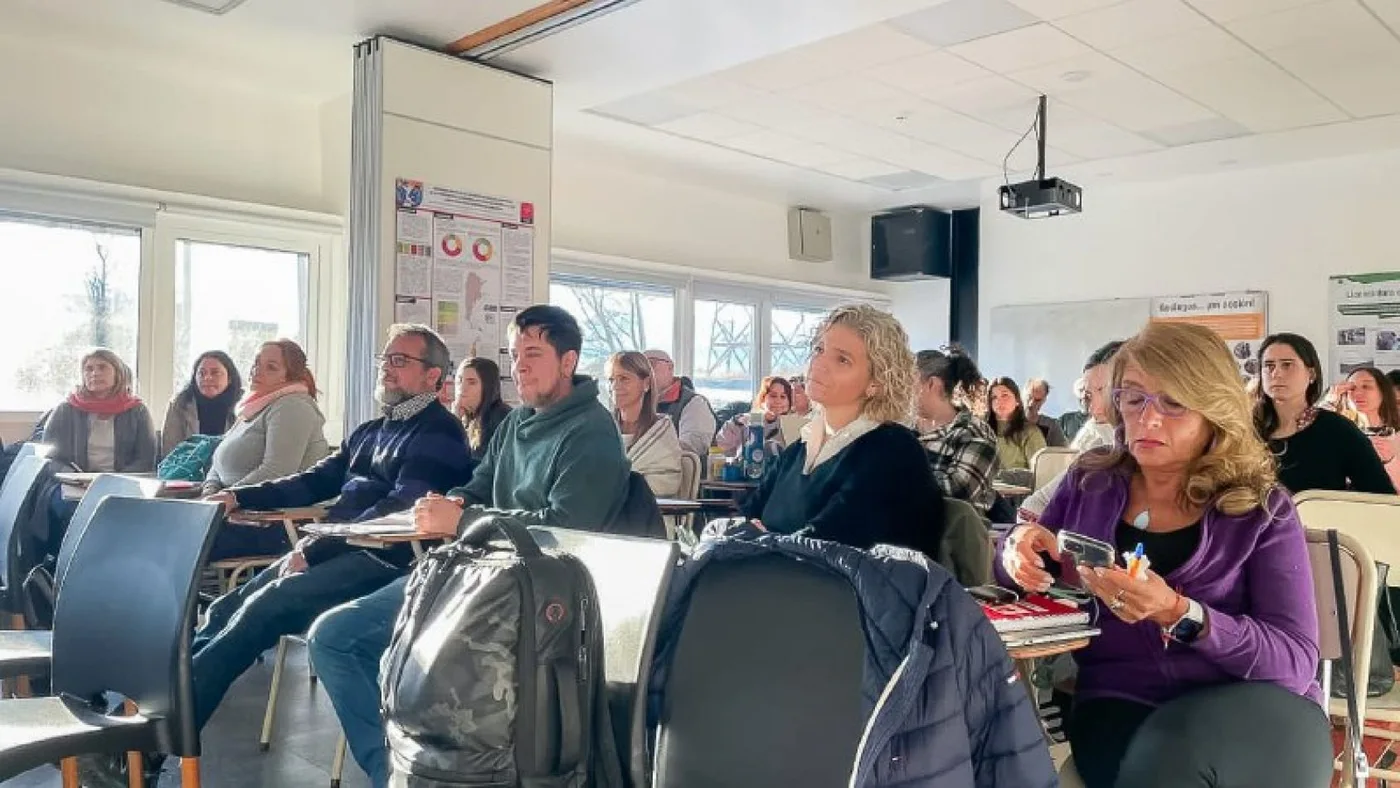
x,y
892,366
1236,473
121,386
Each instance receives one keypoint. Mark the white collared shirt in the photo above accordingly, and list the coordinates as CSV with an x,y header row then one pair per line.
x,y
822,443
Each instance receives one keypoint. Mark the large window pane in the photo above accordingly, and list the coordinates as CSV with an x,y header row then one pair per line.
x,y
724,351
71,286
616,316
234,298
790,338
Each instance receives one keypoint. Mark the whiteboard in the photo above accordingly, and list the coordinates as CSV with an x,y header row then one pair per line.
x,y
1052,341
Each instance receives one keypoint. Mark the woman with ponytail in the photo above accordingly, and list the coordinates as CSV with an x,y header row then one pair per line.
x,y
962,449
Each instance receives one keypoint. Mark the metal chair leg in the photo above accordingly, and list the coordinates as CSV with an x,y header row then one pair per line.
x,y
265,740
189,773
68,767
338,763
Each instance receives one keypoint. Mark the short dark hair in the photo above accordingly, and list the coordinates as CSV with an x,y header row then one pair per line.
x,y
1103,355
556,326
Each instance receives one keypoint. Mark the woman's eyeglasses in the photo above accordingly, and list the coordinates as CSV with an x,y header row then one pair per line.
x,y
1132,402
398,360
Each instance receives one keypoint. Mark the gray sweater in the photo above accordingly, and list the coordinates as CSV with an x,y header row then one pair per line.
x,y
285,437
67,431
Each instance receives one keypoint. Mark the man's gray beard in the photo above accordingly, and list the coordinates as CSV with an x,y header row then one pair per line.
x,y
390,398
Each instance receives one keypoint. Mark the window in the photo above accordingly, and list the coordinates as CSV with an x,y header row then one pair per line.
x,y
235,298
790,338
75,286
724,351
616,316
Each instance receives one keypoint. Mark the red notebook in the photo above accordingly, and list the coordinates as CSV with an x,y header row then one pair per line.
x,y
1034,612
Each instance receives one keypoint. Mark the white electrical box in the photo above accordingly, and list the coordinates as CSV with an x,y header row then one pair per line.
x,y
809,235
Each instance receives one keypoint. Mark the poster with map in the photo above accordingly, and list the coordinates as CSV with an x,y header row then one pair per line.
x,y
465,265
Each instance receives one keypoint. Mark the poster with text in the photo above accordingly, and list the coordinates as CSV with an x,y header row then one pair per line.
x,y
1363,323
1240,318
464,265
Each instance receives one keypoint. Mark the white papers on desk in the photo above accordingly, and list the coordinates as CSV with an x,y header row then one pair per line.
x,y
392,525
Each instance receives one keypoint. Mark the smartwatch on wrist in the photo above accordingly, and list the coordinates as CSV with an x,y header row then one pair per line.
x,y
1190,626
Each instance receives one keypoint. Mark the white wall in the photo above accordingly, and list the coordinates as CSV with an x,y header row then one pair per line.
x,y
922,307
92,116
610,210
1282,230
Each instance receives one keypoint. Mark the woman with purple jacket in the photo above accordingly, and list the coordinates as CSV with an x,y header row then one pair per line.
x,y
1204,673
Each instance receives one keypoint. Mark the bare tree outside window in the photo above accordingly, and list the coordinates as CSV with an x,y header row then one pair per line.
x,y
615,318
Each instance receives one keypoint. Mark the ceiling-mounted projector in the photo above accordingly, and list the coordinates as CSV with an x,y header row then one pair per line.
x,y
1040,197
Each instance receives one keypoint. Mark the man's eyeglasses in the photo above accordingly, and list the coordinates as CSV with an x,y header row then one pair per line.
x,y
1132,402
398,360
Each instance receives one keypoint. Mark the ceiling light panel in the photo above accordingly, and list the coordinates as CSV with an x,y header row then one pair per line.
x,y
956,21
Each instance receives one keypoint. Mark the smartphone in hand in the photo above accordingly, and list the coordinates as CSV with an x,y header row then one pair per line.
x,y
1086,550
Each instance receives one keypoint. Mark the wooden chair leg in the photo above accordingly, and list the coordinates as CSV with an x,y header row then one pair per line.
x,y
270,714
338,763
69,769
22,688
135,770
189,773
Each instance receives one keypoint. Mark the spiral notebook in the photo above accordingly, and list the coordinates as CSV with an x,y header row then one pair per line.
x,y
1033,612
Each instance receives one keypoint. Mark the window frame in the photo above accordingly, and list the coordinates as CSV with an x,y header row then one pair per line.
x,y
763,293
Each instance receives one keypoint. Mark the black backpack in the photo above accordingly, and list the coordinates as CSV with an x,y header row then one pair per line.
x,y
494,677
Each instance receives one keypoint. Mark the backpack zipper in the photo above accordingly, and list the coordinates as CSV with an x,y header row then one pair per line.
x,y
583,639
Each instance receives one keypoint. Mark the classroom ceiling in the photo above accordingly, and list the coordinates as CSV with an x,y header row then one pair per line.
x,y
854,104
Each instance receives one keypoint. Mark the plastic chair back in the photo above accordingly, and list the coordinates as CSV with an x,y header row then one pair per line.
x,y
103,486
690,476
631,576
764,685
122,622
17,502
1051,462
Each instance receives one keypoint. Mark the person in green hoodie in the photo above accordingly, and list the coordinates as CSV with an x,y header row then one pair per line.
x,y
556,461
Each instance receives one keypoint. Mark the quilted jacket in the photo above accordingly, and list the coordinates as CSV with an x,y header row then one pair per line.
x,y
945,708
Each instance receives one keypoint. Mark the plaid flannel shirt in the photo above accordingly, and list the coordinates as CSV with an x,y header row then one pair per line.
x,y
963,455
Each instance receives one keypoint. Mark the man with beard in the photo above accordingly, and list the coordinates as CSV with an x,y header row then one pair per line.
x,y
416,448
555,461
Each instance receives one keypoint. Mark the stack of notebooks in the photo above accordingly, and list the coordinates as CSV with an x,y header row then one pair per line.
x,y
1035,619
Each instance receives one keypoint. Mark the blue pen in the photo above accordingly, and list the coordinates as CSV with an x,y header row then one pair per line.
x,y
1136,561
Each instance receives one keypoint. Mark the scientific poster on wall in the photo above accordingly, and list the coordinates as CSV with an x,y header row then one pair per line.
x,y
465,265
1240,318
1364,322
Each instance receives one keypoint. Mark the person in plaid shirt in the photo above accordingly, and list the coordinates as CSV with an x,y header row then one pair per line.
x,y
962,448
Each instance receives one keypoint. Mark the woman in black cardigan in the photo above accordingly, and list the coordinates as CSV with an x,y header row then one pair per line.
x,y
858,475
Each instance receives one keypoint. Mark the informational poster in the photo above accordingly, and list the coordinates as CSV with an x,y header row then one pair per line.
x,y
1240,318
465,266
1364,322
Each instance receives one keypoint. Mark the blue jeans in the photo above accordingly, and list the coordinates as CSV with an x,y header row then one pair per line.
x,y
346,645
245,623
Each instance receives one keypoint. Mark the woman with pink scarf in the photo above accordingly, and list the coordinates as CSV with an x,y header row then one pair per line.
x,y
101,427
278,431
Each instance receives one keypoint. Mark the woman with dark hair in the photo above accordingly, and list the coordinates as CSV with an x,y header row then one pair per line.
x,y
1018,439
962,449
1370,396
205,405
653,446
1316,449
478,403
774,400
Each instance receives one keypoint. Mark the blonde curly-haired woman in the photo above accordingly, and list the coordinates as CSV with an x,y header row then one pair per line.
x,y
1216,643
858,475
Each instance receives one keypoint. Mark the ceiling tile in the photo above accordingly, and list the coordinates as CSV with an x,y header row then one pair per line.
x,y
927,72
1132,22
903,181
956,21
1332,53
1230,10
1022,162
809,154
1255,93
764,143
1058,9
773,111
1192,48
981,97
1075,73
709,126
858,168
844,94
1097,140
1020,49
940,161
836,131
831,57
1200,131
1337,20
1136,104
709,92
1363,91
647,109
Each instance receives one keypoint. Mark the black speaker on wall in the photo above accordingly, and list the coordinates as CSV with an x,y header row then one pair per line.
x,y
962,289
911,244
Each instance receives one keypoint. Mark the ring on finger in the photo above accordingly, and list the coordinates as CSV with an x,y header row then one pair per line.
x,y
1117,603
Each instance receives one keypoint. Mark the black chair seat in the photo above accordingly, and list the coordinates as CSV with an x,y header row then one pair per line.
x,y
36,731
25,653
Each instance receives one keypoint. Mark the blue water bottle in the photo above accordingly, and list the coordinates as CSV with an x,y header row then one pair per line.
x,y
754,452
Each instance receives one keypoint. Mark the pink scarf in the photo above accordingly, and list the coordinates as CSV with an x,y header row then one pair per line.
x,y
252,404
106,406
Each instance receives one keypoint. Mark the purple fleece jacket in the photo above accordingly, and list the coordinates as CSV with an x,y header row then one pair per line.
x,y
1250,573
